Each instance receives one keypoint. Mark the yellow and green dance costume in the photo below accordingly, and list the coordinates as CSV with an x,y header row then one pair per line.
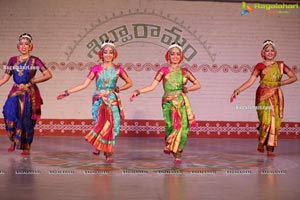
x,y
270,103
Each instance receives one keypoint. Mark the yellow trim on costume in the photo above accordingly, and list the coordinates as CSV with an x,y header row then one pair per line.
x,y
191,116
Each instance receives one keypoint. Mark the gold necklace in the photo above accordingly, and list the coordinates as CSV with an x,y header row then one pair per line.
x,y
269,64
105,82
174,80
21,68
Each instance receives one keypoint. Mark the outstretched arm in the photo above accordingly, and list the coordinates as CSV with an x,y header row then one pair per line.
x,y
243,87
149,88
82,86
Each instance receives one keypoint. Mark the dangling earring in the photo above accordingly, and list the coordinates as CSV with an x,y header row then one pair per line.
x,y
167,57
262,54
31,47
115,54
275,53
100,54
181,58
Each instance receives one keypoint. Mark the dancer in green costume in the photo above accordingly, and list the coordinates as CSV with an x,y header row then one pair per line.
x,y
176,107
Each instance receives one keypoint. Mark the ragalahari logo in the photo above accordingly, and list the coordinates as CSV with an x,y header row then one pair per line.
x,y
246,8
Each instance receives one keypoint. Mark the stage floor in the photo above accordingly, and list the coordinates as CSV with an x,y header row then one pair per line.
x,y
65,168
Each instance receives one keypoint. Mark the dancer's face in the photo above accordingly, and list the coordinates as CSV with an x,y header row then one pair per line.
x,y
24,46
108,54
175,56
269,52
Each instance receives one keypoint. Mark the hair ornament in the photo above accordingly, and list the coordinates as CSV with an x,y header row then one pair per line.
x,y
108,42
268,42
173,45
26,36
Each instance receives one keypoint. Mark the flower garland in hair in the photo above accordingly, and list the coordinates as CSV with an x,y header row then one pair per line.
x,y
268,42
108,42
25,35
175,45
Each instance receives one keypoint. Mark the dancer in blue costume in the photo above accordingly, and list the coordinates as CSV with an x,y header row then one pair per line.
x,y
23,105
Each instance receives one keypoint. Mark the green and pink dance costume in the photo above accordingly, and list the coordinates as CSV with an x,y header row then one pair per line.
x,y
176,107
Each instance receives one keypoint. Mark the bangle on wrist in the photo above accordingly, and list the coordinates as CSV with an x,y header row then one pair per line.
x,y
185,90
137,92
117,89
67,93
237,92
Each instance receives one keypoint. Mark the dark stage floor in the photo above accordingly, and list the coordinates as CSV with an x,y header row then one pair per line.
x,y
65,168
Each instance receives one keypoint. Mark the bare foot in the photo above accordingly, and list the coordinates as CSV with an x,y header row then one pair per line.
x,y
12,147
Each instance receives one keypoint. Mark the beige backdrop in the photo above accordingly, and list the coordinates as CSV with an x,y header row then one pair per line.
x,y
221,48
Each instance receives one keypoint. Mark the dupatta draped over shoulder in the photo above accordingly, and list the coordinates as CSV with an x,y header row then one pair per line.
x,y
269,101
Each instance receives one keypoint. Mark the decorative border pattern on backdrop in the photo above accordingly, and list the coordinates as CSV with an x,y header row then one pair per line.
x,y
155,128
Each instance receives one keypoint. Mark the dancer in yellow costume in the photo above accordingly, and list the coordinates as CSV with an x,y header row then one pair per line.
x,y
269,96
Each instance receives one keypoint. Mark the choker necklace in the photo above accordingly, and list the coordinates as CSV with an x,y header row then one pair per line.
x,y
269,64
174,68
